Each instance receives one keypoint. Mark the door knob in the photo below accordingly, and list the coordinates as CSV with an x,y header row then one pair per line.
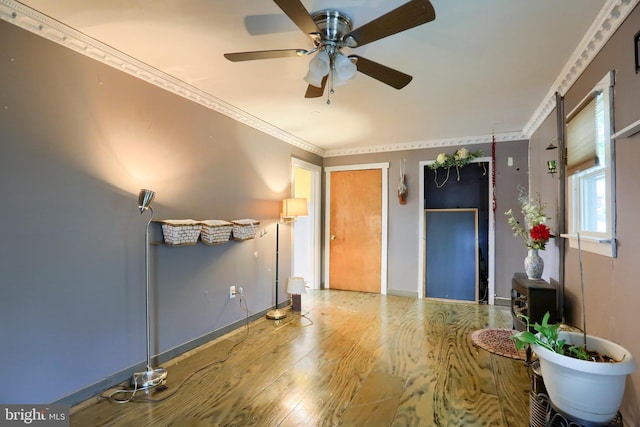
x,y
333,237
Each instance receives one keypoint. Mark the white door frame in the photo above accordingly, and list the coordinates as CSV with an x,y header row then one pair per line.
x,y
315,204
492,232
384,167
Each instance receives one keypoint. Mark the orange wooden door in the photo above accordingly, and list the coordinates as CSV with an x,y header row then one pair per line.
x,y
355,230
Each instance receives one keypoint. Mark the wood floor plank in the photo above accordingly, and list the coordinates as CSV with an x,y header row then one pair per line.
x,y
353,359
376,401
514,396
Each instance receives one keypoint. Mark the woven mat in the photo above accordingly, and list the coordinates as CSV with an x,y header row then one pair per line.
x,y
497,341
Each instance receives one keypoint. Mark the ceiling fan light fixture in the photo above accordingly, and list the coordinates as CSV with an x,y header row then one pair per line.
x,y
336,81
313,80
344,69
318,68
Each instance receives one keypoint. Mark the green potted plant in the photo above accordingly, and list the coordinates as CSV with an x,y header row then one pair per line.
x,y
584,375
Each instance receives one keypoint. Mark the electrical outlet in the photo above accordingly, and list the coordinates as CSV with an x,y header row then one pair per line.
x,y
232,292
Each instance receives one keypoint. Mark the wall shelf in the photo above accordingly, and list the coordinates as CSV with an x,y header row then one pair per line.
x,y
628,131
190,232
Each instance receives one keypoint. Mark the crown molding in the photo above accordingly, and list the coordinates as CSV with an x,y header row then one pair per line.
x,y
611,16
418,145
35,22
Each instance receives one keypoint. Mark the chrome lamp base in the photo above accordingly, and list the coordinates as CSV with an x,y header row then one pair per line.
x,y
149,379
276,314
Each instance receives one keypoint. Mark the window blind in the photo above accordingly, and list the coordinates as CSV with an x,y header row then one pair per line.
x,y
581,137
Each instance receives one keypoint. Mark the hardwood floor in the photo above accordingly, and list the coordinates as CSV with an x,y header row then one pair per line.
x,y
355,359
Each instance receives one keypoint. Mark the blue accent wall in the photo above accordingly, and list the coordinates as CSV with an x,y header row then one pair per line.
x,y
471,191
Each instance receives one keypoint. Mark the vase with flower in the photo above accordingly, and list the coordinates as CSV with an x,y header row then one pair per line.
x,y
535,234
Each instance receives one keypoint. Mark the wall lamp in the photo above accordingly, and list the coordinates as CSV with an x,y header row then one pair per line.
x,y
552,165
551,145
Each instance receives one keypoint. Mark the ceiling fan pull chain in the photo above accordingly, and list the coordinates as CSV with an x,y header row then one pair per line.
x,y
330,91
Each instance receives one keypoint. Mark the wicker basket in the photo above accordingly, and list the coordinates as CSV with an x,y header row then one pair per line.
x,y
180,232
244,229
215,231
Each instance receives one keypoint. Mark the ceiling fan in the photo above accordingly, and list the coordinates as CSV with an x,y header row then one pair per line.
x,y
331,31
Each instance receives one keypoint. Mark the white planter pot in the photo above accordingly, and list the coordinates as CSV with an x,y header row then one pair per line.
x,y
586,391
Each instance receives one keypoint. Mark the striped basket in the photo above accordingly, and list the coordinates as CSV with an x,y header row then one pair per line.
x,y
180,232
215,231
244,229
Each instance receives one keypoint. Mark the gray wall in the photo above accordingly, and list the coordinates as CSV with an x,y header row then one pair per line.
x,y
404,237
547,185
611,285
79,139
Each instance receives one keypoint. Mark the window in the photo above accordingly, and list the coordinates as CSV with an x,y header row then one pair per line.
x,y
590,170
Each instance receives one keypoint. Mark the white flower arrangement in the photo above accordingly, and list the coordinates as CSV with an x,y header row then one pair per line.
x,y
535,234
460,158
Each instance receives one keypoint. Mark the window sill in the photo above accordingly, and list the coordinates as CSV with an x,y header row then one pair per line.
x,y
629,131
604,247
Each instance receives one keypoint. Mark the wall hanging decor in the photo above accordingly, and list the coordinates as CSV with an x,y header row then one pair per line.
x,y
460,158
402,186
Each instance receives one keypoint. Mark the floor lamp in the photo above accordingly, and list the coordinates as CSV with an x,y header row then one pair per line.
x,y
291,210
151,377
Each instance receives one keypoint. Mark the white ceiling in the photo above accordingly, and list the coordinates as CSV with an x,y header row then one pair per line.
x,y
482,66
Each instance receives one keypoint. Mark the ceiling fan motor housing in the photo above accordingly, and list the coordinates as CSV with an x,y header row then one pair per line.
x,y
333,26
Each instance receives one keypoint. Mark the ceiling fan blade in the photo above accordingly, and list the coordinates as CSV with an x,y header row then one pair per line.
x,y
299,15
409,15
393,78
264,54
316,92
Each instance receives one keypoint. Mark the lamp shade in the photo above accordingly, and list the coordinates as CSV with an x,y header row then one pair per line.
x,y
344,69
295,286
292,208
318,68
145,198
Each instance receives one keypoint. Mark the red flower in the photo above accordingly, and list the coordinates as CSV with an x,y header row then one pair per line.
x,y
540,233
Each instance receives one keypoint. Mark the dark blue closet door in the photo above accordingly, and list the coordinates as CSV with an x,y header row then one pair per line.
x,y
451,254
